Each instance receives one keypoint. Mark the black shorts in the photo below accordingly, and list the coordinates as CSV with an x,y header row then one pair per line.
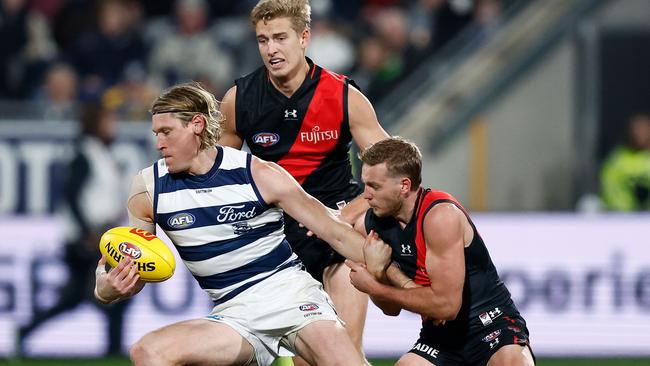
x,y
481,337
315,253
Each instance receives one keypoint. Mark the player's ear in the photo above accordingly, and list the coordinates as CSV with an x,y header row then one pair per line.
x,y
198,123
305,36
406,185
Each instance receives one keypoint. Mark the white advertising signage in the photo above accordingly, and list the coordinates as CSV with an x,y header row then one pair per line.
x,y
581,282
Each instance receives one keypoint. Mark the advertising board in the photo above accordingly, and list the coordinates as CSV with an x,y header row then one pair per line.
x,y
581,282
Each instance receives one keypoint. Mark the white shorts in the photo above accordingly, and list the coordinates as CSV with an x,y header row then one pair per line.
x,y
269,311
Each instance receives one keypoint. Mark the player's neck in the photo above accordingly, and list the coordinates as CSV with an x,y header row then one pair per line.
x,y
405,213
203,161
289,84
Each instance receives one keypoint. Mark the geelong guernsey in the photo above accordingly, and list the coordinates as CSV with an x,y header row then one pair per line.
x,y
227,236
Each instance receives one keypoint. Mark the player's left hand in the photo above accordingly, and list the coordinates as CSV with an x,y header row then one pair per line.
x,y
361,278
119,283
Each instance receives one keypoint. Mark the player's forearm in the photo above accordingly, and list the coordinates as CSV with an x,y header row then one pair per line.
x,y
339,235
387,307
394,276
420,300
348,242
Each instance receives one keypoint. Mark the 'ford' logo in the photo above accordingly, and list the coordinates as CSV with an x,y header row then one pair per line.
x,y
129,249
181,220
266,139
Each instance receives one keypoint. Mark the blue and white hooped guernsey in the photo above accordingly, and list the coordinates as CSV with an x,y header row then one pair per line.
x,y
227,236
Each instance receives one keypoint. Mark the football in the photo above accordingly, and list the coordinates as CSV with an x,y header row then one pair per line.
x,y
155,261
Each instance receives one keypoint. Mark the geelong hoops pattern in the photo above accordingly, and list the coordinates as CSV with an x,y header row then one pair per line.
x,y
225,233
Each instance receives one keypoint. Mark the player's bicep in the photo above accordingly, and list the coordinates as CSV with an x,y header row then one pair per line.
x,y
139,205
364,126
229,135
445,259
278,187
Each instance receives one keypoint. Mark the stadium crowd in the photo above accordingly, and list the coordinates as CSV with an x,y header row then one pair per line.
x,y
57,53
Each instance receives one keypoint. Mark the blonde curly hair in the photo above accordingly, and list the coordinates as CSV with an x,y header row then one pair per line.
x,y
185,101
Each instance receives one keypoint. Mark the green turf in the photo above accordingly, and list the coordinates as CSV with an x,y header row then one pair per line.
x,y
594,362
125,362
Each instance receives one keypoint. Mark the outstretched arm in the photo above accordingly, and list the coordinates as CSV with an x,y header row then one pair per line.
x,y
278,187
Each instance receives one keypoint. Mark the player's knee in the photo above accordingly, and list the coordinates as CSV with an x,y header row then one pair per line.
x,y
510,355
138,353
411,359
144,352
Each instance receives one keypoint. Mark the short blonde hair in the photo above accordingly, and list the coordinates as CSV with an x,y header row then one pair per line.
x,y
298,12
402,158
185,101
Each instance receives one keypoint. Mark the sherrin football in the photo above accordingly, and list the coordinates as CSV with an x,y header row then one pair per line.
x,y
155,261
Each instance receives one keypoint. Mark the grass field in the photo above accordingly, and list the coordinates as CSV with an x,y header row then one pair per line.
x,y
124,362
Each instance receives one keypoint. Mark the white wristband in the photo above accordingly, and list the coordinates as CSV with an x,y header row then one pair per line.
x,y
103,300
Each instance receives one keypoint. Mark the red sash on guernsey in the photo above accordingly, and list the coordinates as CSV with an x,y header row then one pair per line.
x,y
429,197
320,130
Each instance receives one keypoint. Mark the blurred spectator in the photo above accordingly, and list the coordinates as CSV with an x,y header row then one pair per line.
x,y
450,19
131,98
376,68
386,55
94,202
329,47
57,97
625,175
487,18
422,15
101,56
190,52
26,50
13,33
47,8
74,19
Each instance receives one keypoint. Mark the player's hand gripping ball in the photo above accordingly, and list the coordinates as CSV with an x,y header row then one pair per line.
x,y
155,261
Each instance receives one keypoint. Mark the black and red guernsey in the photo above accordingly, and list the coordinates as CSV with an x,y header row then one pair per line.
x,y
308,133
483,289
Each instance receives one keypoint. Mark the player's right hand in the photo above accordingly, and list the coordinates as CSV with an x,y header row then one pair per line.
x,y
377,254
118,283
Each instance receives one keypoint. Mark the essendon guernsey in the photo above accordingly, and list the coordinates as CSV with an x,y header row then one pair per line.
x,y
308,133
483,288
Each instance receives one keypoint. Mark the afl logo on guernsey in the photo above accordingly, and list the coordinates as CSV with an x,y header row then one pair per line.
x,y
266,139
308,307
181,220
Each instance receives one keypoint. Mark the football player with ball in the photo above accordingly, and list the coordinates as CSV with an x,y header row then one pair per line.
x,y
222,209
